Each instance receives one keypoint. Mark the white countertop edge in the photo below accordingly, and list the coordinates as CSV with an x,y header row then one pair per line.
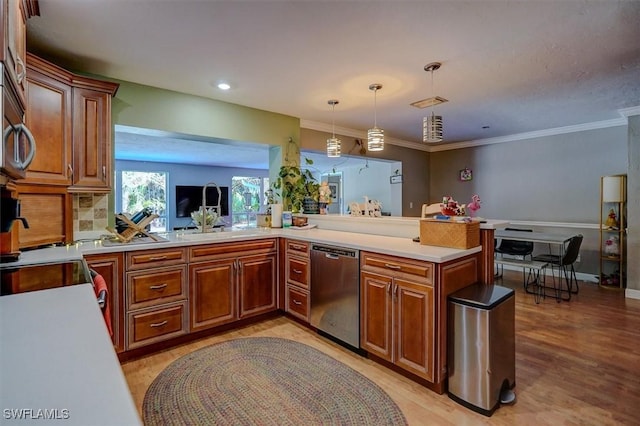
x,y
401,245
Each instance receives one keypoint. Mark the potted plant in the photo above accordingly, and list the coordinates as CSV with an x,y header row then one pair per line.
x,y
294,185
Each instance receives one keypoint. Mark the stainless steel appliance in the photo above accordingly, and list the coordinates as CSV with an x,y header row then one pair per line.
x,y
482,350
335,293
18,145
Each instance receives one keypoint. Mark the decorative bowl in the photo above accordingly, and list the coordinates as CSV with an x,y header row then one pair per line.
x,y
299,220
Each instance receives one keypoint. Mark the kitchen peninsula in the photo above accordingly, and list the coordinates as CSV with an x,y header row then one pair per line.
x,y
161,292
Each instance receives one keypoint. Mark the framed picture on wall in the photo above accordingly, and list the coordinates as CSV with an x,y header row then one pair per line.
x,y
395,179
465,174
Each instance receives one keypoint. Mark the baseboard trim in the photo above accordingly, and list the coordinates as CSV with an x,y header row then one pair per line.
x,y
631,293
589,278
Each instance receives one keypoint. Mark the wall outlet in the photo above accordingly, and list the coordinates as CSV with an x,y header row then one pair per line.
x,y
410,204
578,258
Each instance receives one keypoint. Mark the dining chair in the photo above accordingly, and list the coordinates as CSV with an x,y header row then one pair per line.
x,y
565,263
513,248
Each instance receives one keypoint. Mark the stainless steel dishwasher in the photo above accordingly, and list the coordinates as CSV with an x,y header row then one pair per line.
x,y
335,293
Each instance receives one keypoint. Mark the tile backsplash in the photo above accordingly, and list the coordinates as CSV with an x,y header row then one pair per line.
x,y
90,214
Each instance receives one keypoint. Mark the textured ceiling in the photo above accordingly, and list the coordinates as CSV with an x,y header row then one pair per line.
x,y
514,66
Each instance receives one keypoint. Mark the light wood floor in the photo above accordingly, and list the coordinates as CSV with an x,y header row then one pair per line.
x,y
577,363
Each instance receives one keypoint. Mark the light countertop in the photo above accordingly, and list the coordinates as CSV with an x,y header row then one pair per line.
x,y
58,365
397,246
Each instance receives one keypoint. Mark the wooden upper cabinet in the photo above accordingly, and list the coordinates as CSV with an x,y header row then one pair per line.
x,y
92,152
70,118
48,117
14,15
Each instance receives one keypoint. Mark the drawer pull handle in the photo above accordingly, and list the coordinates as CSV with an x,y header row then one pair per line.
x,y
297,271
158,287
159,324
158,258
297,302
392,266
297,247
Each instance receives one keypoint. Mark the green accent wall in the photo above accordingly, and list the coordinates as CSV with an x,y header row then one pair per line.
x,y
149,107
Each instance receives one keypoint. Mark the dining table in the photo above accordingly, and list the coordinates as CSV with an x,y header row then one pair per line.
x,y
556,242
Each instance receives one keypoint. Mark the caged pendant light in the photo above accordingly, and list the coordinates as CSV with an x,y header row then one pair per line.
x,y
432,124
334,144
375,136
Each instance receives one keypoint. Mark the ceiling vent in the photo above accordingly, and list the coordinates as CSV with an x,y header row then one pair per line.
x,y
424,103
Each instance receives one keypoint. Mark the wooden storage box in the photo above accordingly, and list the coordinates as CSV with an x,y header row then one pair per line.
x,y
448,233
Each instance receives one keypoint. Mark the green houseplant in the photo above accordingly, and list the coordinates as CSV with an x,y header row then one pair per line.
x,y
294,185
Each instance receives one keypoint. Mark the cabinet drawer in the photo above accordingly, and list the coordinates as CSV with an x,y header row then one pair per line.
x,y
298,247
156,325
298,271
297,303
154,287
155,258
225,250
398,265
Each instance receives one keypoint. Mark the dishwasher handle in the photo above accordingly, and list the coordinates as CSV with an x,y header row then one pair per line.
x,y
335,252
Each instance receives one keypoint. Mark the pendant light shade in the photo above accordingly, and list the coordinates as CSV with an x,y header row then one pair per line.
x,y
334,145
432,124
375,135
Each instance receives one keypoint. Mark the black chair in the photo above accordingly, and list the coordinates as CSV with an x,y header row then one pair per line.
x,y
565,264
514,248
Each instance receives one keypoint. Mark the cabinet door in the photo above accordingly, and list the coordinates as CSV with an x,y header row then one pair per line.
x,y
257,284
111,267
414,327
49,211
48,117
16,43
212,293
376,314
91,141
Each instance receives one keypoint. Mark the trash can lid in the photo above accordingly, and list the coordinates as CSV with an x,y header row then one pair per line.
x,y
483,296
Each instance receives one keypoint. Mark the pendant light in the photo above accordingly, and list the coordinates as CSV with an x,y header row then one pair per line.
x,y
432,124
334,144
375,136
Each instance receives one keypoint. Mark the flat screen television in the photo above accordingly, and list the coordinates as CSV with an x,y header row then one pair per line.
x,y
189,199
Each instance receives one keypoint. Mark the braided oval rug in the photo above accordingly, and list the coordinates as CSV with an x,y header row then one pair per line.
x,y
265,381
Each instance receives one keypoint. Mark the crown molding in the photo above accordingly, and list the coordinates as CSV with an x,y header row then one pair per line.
x,y
360,134
343,131
628,112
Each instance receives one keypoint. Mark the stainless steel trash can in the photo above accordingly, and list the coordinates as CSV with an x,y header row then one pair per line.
x,y
481,349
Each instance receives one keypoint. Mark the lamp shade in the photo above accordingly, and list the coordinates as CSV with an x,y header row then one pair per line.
x,y
375,139
613,189
334,147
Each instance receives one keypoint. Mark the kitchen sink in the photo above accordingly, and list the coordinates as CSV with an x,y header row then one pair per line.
x,y
206,236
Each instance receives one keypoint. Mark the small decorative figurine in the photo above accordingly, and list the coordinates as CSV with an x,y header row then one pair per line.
x,y
611,246
474,205
324,197
612,220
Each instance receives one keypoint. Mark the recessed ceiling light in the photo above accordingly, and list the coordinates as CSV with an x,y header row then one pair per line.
x,y
224,86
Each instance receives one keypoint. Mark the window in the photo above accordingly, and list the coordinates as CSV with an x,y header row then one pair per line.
x,y
143,189
247,194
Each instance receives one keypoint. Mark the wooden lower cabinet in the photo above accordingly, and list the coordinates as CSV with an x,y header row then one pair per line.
x,y
156,307
231,281
212,294
111,267
397,322
297,279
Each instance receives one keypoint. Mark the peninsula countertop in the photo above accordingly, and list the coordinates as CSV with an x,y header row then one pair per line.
x,y
396,246
58,363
